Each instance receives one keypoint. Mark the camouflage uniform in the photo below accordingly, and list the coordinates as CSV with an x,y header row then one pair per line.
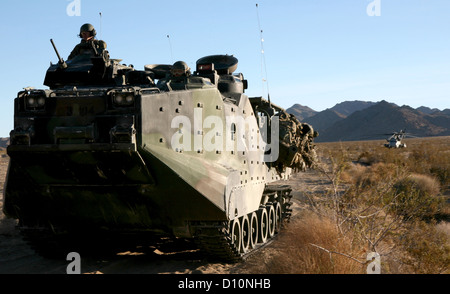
x,y
87,47
88,43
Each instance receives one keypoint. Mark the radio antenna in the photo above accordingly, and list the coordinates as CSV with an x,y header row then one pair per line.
x,y
170,46
100,25
263,56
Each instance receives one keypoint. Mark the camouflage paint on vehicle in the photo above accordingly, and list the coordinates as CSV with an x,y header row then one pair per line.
x,y
108,148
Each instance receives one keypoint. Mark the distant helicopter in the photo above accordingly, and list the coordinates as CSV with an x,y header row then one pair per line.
x,y
395,140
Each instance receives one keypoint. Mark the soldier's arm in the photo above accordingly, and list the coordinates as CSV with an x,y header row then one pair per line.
x,y
74,52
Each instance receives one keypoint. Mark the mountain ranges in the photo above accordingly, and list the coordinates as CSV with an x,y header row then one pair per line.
x,y
361,120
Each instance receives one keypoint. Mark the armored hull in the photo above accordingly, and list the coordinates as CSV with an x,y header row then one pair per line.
x,y
181,159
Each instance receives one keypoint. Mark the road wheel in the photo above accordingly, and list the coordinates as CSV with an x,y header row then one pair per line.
x,y
263,226
236,235
254,229
278,217
246,234
272,220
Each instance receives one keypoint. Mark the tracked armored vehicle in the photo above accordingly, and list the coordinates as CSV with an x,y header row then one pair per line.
x,y
108,148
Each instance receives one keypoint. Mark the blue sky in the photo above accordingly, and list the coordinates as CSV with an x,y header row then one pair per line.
x,y
318,52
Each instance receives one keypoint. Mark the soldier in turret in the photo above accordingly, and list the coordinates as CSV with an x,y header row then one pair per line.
x,y
180,69
88,43
181,78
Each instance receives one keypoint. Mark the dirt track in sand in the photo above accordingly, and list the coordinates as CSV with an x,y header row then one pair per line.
x,y
17,257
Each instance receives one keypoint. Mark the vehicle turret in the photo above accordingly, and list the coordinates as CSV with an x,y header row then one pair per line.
x,y
92,68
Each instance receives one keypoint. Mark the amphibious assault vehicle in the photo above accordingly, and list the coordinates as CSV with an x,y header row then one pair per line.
x,y
111,149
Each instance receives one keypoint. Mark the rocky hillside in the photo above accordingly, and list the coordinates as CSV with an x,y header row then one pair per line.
x,y
348,107
301,112
359,120
324,119
4,142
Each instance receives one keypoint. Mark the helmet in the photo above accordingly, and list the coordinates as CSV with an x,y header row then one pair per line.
x,y
179,69
87,27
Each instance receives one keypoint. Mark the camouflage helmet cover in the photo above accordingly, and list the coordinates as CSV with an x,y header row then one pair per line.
x,y
180,65
87,27
180,68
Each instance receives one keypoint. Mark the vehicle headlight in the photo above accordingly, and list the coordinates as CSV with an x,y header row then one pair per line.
x,y
31,101
41,101
123,99
35,102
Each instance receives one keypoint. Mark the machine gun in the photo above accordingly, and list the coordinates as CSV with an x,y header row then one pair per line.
x,y
61,62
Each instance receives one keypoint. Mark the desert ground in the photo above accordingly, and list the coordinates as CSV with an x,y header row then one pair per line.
x,y
16,256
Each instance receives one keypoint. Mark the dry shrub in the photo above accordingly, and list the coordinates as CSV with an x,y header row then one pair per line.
x,y
353,173
297,253
425,184
426,249
391,199
413,194
365,177
367,158
375,174
417,196
444,227
442,172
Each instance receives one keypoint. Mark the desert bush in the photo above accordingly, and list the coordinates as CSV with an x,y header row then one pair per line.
x,y
377,205
425,184
442,173
367,158
376,173
377,199
364,209
417,197
429,156
353,173
426,249
301,250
